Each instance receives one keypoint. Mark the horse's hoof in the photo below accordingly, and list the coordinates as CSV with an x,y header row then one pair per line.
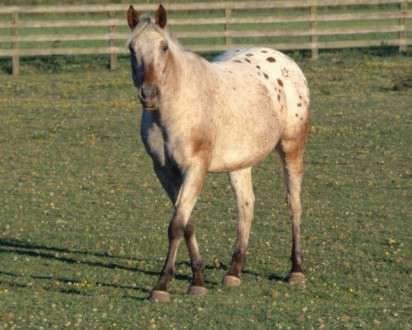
x,y
159,295
296,278
231,281
197,291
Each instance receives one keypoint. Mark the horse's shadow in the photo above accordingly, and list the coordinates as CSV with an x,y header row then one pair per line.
x,y
271,277
65,280
15,246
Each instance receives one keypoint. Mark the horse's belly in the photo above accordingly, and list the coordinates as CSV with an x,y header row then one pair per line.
x,y
244,145
239,157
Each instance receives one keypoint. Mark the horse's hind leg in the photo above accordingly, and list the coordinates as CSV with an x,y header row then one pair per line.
x,y
242,185
291,153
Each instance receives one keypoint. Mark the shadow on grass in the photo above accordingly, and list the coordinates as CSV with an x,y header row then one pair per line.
x,y
278,278
14,246
64,280
222,266
29,249
12,242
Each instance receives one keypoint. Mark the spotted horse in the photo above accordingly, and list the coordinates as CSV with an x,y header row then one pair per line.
x,y
221,116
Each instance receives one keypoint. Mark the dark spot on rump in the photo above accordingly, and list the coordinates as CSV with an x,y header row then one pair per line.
x,y
278,97
266,76
249,54
296,115
264,51
280,82
271,59
237,61
301,118
237,50
247,204
247,60
300,97
258,67
230,71
299,104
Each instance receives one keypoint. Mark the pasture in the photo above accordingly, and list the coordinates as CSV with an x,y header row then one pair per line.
x,y
83,220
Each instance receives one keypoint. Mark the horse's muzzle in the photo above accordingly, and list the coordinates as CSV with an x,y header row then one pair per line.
x,y
149,97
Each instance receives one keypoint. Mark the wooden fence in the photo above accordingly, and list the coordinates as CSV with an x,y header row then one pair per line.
x,y
208,26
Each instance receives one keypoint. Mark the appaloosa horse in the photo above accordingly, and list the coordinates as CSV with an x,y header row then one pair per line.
x,y
223,116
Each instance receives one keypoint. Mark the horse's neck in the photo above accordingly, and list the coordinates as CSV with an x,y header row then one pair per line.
x,y
189,75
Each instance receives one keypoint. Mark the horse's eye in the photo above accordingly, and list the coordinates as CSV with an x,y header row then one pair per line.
x,y
164,47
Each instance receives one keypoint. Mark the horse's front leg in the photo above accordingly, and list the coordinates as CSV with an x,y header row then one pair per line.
x,y
242,185
197,286
193,180
171,180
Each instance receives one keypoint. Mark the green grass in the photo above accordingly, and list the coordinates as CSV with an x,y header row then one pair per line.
x,y
83,219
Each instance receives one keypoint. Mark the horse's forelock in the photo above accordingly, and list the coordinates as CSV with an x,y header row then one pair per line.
x,y
138,30
147,22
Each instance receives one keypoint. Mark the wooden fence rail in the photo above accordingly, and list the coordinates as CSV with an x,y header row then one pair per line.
x,y
209,26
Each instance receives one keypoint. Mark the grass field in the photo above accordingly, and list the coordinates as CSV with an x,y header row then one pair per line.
x,y
83,220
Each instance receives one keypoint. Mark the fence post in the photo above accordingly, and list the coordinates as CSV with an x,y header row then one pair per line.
x,y
402,23
228,13
15,60
313,27
112,43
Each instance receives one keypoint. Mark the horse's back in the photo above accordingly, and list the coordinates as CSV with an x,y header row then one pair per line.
x,y
267,63
279,73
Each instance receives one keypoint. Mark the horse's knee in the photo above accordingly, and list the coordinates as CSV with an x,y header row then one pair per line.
x,y
176,228
189,231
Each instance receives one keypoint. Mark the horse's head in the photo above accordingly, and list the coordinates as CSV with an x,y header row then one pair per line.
x,y
149,49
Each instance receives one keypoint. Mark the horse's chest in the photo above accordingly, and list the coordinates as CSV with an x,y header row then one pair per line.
x,y
163,147
153,140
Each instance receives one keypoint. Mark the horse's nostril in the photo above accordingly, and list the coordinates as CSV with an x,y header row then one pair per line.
x,y
150,92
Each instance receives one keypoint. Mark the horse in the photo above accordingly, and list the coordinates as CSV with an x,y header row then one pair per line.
x,y
221,116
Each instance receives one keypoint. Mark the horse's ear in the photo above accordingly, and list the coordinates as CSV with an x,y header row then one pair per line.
x,y
160,16
132,17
